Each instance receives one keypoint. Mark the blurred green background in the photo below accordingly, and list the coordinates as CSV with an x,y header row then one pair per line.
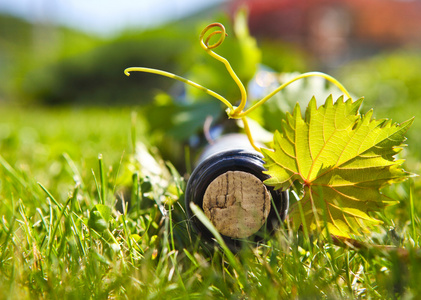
x,y
63,89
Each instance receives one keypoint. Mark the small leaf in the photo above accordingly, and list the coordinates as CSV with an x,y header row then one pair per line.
x,y
341,158
99,218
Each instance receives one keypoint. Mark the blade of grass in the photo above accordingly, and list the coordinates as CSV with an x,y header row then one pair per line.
x,y
57,223
170,208
136,192
78,237
50,196
76,177
102,179
127,233
47,227
27,227
8,231
191,257
12,171
230,256
173,256
97,188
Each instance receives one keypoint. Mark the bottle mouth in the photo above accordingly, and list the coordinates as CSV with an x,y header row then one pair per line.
x,y
228,186
237,203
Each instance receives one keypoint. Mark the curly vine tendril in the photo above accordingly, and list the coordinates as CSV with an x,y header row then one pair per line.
x,y
232,111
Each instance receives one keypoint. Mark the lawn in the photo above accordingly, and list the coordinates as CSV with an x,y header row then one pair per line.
x,y
62,235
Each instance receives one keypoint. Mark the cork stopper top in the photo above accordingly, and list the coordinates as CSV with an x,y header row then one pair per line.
x,y
237,203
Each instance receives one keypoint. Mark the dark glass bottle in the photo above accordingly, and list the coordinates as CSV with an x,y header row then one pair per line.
x,y
227,185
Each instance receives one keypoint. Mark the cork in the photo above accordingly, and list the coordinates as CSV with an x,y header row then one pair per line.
x,y
237,203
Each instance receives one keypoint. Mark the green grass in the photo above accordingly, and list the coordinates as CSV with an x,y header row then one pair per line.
x,y
62,237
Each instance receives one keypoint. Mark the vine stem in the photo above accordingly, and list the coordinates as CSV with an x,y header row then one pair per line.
x,y
248,133
182,79
284,85
233,112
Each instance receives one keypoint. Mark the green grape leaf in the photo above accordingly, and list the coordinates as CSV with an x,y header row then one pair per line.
x,y
342,159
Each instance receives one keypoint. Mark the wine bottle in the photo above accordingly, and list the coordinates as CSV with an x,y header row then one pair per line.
x,y
227,185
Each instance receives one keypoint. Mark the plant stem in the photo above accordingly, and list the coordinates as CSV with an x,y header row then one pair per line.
x,y
182,79
281,87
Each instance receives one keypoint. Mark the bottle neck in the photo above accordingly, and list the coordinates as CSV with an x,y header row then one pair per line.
x,y
232,141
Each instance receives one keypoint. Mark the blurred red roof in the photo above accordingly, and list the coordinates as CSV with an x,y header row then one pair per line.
x,y
339,23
